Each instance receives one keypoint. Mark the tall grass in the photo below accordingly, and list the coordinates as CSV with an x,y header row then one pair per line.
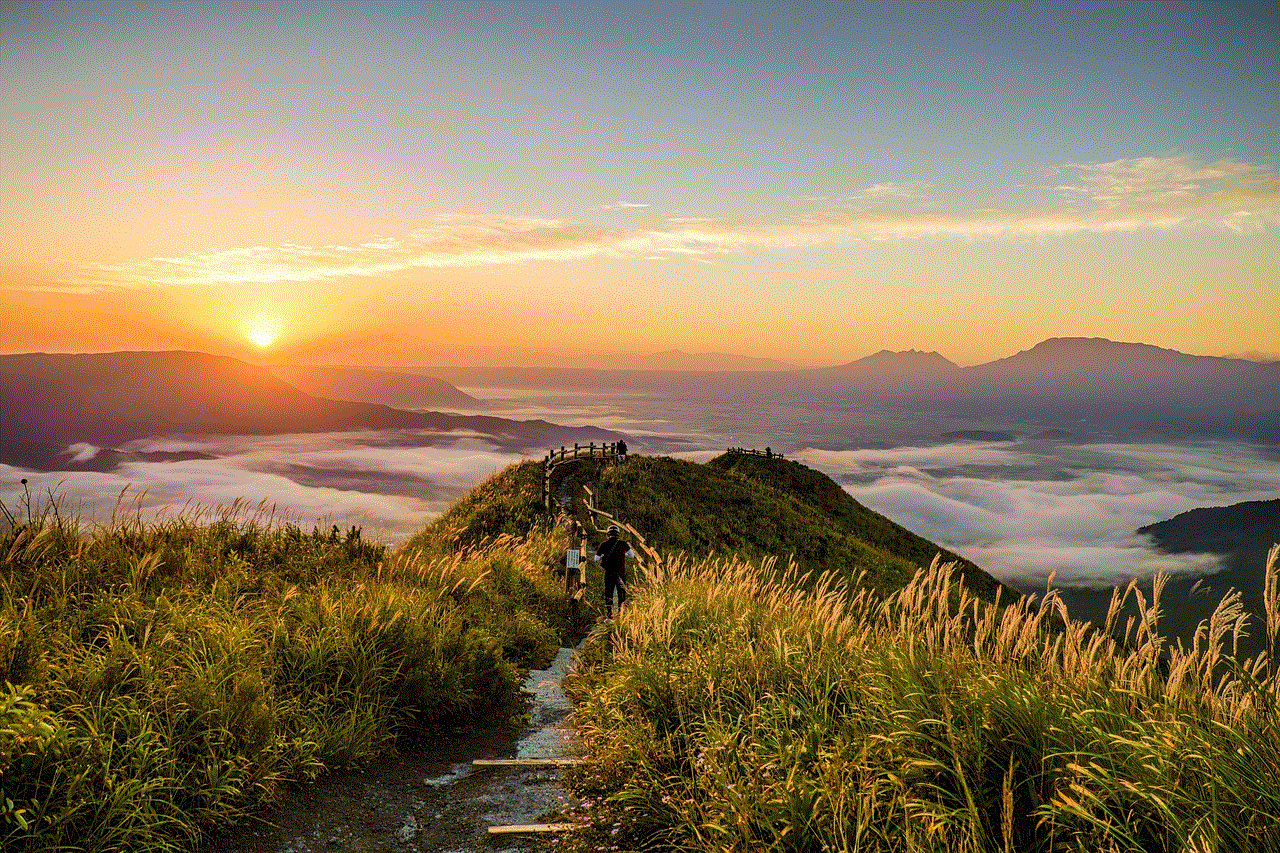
x,y
725,711
159,678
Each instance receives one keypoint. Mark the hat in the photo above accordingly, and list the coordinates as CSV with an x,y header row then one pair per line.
x,y
613,528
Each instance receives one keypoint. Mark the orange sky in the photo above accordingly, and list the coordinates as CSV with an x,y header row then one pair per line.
x,y
440,183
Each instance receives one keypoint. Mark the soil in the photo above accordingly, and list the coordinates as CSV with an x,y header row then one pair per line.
x,y
429,798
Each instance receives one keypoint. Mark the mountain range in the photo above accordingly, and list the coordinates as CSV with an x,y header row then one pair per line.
x,y
370,385
667,360
51,402
1094,384
1070,367
892,364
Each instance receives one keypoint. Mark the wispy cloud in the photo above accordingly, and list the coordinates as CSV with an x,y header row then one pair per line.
x,y
910,191
1157,180
1123,196
623,205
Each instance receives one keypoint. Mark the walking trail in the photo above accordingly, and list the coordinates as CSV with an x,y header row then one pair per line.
x,y
431,797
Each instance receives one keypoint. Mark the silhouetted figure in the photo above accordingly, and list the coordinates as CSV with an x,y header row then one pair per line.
x,y
612,555
768,452
622,451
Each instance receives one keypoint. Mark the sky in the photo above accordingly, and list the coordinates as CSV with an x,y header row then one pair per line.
x,y
469,183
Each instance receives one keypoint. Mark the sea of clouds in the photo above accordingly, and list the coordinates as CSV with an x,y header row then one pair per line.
x,y
1023,510
366,478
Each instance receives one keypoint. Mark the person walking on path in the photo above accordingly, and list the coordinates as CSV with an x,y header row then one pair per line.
x,y
612,555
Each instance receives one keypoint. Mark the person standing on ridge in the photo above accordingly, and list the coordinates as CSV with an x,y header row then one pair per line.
x,y
612,555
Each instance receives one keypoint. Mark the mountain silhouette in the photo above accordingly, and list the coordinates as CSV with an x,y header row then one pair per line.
x,y
1102,368
51,401
367,385
1094,383
890,364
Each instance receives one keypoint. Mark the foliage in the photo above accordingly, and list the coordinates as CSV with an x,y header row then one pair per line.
x,y
161,678
726,710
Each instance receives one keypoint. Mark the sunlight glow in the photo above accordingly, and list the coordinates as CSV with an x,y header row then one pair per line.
x,y
261,334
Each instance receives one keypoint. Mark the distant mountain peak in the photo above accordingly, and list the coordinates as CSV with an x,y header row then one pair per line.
x,y
1103,351
1076,344
912,355
885,361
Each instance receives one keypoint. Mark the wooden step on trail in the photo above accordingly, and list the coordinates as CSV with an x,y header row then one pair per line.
x,y
525,762
531,828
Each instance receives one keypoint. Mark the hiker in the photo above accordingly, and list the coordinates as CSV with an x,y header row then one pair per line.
x,y
622,451
612,556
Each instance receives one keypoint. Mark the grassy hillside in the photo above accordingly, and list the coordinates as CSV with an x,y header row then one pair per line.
x,y
160,679
756,507
750,506
819,492
507,504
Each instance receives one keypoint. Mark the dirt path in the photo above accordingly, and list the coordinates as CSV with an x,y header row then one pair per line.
x,y
430,798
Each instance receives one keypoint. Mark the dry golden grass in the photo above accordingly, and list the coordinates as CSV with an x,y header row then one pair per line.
x,y
726,710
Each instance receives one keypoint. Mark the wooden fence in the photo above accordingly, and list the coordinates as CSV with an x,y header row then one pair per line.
x,y
605,450
751,451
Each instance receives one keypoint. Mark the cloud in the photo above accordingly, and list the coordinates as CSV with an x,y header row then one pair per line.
x,y
1123,196
623,205
1158,180
1022,512
368,479
81,451
910,191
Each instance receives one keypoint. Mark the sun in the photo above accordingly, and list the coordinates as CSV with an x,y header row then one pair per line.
x,y
261,334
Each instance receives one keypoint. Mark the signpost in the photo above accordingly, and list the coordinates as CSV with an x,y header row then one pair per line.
x,y
572,561
575,574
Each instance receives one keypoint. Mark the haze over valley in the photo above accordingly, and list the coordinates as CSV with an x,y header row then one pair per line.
x,y
1044,462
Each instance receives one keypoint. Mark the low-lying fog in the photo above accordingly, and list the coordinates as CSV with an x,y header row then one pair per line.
x,y
1021,508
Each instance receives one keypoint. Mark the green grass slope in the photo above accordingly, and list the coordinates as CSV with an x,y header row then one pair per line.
x,y
756,507
747,506
507,504
847,515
